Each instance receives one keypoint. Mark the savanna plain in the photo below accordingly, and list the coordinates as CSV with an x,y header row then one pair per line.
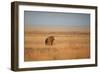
x,y
67,45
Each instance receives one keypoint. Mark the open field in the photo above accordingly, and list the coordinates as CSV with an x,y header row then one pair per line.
x,y
67,45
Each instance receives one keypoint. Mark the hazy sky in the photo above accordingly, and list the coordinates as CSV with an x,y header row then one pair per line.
x,y
56,19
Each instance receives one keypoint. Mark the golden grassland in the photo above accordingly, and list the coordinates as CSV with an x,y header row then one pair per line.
x,y
67,45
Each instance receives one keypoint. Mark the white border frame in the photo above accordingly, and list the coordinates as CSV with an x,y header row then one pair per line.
x,y
34,64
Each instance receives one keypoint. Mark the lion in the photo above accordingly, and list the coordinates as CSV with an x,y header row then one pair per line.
x,y
49,40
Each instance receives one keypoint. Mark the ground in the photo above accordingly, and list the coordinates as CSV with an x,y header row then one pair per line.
x,y
67,45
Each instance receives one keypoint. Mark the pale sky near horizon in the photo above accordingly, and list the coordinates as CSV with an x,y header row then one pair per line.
x,y
56,19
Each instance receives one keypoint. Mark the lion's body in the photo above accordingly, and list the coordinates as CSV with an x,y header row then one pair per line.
x,y
49,40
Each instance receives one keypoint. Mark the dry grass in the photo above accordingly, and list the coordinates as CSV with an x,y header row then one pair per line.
x,y
70,45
